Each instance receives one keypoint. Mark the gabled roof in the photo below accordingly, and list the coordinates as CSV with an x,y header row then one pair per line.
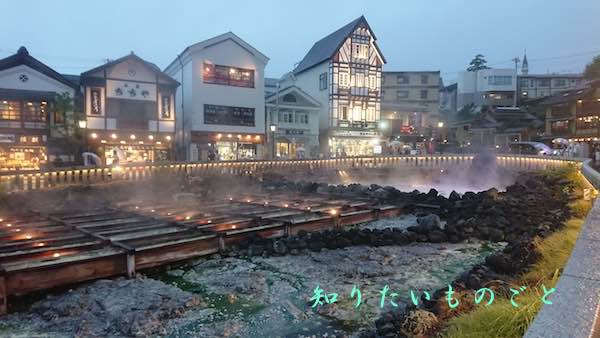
x,y
291,89
325,48
218,39
134,57
22,57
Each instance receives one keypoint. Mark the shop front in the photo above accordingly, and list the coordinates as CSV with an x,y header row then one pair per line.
x,y
350,143
210,146
130,148
22,152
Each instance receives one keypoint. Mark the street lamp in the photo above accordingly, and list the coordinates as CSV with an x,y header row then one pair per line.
x,y
440,124
83,125
273,128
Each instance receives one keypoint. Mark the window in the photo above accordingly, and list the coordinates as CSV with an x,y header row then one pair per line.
x,y
402,94
560,82
524,83
424,79
10,110
371,114
35,111
500,80
323,81
228,115
361,51
289,98
286,117
165,112
372,82
402,79
344,79
302,118
343,113
96,101
228,75
424,94
360,80
544,82
59,117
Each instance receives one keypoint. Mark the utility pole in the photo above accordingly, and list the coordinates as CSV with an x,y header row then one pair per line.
x,y
516,61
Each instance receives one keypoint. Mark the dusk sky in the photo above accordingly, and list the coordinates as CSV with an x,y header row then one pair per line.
x,y
74,36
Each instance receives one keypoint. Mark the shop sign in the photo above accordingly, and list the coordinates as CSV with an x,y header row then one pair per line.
x,y
354,133
130,90
7,138
294,132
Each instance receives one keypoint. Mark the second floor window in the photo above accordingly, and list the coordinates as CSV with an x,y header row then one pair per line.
x,y
10,110
229,76
323,81
500,80
228,115
402,94
423,94
344,79
372,82
35,111
286,117
361,51
424,79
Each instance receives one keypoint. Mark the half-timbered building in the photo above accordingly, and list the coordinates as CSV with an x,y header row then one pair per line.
x,y
343,72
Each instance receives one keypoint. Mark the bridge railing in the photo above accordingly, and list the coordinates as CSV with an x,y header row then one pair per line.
x,y
45,179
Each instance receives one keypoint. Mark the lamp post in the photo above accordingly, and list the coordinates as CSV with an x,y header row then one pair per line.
x,y
273,128
83,126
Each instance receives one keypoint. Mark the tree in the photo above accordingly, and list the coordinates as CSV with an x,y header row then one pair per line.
x,y
467,112
592,70
66,123
477,63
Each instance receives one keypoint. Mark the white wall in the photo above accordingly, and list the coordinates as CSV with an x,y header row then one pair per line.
x,y
484,74
197,93
9,78
308,81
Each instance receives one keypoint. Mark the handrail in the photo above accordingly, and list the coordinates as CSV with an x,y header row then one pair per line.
x,y
576,302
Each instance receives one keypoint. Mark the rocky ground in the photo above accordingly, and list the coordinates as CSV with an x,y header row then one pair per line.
x,y
262,288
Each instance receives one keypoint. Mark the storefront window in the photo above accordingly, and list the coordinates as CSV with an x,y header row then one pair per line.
x,y
351,147
12,158
128,154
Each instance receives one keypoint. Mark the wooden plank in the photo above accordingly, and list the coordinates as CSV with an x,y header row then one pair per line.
x,y
29,280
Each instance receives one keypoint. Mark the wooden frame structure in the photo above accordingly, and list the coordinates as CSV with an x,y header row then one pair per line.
x,y
39,251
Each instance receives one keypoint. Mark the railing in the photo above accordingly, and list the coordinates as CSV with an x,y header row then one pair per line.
x,y
36,180
576,303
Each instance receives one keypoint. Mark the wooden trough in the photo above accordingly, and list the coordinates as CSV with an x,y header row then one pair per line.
x,y
40,251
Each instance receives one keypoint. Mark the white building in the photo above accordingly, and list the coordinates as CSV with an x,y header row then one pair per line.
x,y
487,87
342,72
129,106
32,131
295,114
221,99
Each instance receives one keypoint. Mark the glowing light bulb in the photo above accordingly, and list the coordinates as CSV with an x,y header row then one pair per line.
x,y
285,205
28,237
9,225
40,244
56,255
17,230
152,210
233,226
187,217
333,212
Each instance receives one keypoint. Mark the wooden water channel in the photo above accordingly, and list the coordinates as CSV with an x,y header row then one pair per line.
x,y
39,251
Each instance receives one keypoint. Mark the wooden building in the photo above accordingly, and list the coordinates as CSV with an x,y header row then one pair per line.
x,y
32,130
129,106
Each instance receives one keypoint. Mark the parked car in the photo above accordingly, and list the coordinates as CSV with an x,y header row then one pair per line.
x,y
529,148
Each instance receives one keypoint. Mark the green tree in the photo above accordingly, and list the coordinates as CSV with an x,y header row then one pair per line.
x,y
66,123
592,70
477,63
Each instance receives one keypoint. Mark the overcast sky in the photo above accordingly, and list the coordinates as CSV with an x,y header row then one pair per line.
x,y
74,36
